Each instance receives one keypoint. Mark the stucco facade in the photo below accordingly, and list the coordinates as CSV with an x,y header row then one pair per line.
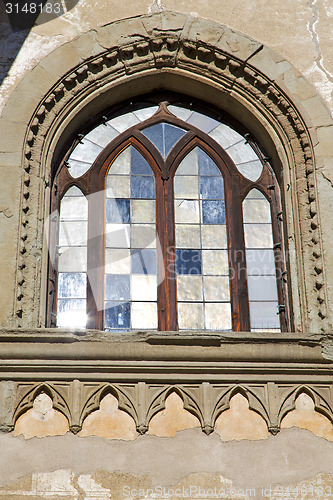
x,y
86,414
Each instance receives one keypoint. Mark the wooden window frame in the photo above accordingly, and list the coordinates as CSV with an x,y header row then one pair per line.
x,y
236,189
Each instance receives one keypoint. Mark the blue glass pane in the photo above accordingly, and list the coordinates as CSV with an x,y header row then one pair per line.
x,y
155,135
117,287
213,212
206,164
171,137
142,187
117,316
211,188
188,261
118,210
143,261
164,136
72,285
139,166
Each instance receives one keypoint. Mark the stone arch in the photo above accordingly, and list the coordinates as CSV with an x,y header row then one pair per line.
x,y
243,77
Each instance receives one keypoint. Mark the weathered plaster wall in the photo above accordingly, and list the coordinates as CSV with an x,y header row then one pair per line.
x,y
300,31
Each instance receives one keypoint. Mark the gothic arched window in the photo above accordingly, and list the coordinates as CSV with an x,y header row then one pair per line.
x,y
166,218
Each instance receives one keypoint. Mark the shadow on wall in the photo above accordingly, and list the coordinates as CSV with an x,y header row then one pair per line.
x,y
16,21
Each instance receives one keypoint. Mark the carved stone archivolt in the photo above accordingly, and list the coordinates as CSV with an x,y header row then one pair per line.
x,y
186,51
142,401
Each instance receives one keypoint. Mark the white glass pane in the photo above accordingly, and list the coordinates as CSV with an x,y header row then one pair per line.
x,y
188,236
262,288
117,235
218,316
225,136
216,288
117,261
73,233
74,208
264,315
189,165
189,287
215,262
255,194
143,287
251,170
145,113
72,259
190,316
118,186
144,316
256,211
71,313
186,187
202,122
143,236
122,164
214,236
86,151
143,211
123,122
241,152
102,135
77,168
258,236
72,285
186,211
181,113
260,262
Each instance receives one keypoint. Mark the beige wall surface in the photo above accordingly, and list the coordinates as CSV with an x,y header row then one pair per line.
x,y
301,31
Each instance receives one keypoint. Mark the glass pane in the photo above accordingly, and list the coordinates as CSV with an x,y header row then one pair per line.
x,y
215,262
143,261
256,211
73,234
144,287
142,187
190,316
251,169
241,152
117,235
117,316
206,165
218,316
188,261
117,287
264,315
72,259
260,262
211,188
117,261
202,122
189,165
77,168
189,288
86,151
186,211
214,236
213,212
255,194
186,186
144,316
143,211
216,288
225,136
181,113
145,113
262,288
123,122
117,186
71,313
118,211
72,285
188,236
102,135
122,164
164,136
258,236
74,208
143,236
139,166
